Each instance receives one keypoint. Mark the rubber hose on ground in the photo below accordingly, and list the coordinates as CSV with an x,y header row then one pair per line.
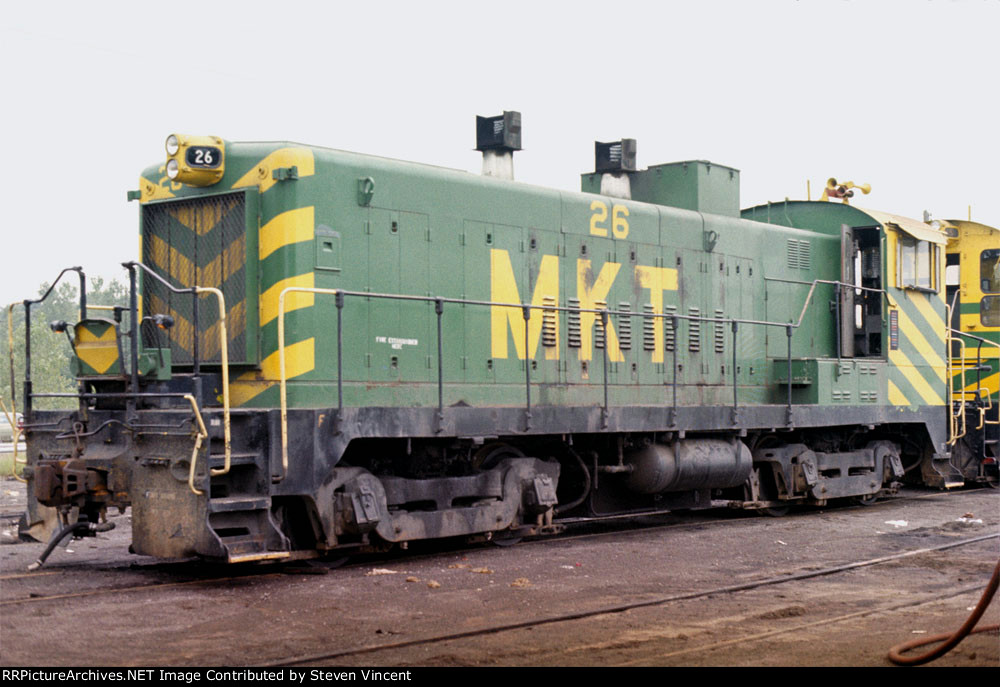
x,y
950,641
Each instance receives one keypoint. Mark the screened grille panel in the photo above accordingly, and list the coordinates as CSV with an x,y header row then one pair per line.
x,y
198,242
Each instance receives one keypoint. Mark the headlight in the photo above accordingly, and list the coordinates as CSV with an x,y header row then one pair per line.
x,y
172,169
173,145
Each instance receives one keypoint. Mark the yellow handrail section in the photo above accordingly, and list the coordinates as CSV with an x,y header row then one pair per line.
x,y
12,414
224,349
332,292
201,436
957,416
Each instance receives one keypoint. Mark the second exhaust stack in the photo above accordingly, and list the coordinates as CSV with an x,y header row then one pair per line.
x,y
497,138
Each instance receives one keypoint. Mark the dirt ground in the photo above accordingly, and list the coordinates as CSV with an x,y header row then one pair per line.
x,y
264,616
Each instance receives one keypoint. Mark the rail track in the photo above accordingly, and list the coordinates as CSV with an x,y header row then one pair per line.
x,y
207,574
579,529
673,598
706,576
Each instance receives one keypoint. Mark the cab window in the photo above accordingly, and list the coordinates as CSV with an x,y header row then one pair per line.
x,y
989,271
989,311
916,265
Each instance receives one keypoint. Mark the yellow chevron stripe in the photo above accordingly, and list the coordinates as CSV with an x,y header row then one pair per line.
x,y
172,262
933,319
287,228
183,271
235,325
98,351
182,333
150,190
917,340
261,175
913,376
204,217
293,301
300,358
897,397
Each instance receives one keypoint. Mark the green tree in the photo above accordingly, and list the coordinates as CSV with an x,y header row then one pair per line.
x,y
50,351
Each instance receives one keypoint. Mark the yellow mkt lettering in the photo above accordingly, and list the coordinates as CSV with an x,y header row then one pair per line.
x,y
589,294
657,280
503,289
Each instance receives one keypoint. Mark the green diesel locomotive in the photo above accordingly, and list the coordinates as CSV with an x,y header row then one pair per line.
x,y
332,351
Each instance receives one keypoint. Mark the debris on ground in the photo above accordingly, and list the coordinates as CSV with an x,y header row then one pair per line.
x,y
484,571
432,584
521,582
381,571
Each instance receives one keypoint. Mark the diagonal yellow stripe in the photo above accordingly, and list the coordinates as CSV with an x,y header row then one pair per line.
x,y
897,397
913,376
181,333
293,301
202,218
917,340
287,228
935,321
262,174
991,383
152,191
299,358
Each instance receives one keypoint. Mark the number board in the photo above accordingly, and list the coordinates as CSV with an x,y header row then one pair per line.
x,y
207,157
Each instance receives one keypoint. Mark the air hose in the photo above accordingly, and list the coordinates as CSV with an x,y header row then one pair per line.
x,y
950,641
79,528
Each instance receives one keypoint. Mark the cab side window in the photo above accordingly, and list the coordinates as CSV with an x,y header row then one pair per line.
x,y
989,282
916,265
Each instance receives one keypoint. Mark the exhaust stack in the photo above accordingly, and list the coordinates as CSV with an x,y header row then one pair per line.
x,y
615,161
497,138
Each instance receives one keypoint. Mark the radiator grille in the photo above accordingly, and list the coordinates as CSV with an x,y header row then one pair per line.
x,y
198,242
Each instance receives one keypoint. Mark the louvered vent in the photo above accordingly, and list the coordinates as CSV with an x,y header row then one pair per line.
x,y
573,324
550,323
671,335
598,325
625,327
799,254
720,333
694,331
648,328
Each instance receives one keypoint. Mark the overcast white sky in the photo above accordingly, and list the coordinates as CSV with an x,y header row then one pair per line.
x,y
900,94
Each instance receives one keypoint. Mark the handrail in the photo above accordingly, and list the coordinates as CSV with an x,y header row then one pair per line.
x,y
223,348
955,415
15,438
200,437
526,309
981,392
27,329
